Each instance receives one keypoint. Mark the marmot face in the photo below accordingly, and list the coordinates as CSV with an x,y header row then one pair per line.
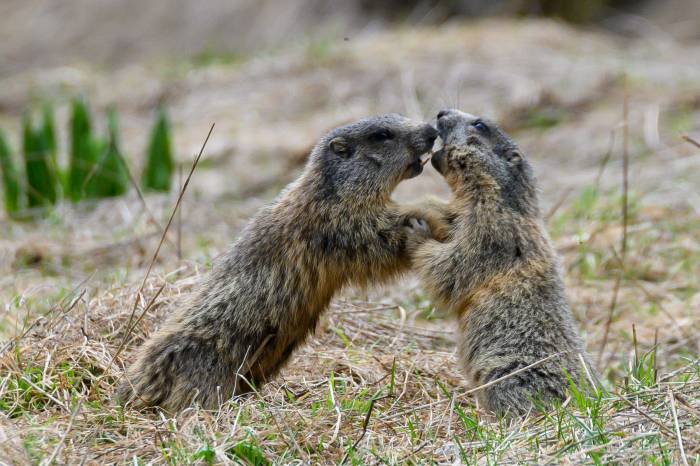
x,y
478,159
370,157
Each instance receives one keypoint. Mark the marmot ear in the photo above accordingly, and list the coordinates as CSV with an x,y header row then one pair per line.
x,y
514,157
339,147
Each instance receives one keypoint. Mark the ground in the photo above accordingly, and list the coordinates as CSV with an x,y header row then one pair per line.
x,y
379,382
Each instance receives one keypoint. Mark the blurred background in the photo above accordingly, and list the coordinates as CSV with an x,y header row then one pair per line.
x,y
273,76
112,33
104,104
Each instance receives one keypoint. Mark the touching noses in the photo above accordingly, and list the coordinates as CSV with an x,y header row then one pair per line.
x,y
424,138
447,119
430,134
443,113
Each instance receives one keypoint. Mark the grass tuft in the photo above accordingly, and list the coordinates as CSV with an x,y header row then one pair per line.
x,y
158,172
40,170
12,190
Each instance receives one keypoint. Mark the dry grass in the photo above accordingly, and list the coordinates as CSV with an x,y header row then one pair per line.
x,y
379,381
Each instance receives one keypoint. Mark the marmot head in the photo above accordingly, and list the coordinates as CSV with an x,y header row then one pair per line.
x,y
479,161
368,158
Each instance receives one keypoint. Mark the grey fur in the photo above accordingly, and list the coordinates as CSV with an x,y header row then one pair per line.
x,y
334,226
498,271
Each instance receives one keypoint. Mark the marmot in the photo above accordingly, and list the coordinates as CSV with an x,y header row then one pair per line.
x,y
334,226
498,271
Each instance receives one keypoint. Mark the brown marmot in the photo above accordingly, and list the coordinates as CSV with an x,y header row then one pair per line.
x,y
334,226
498,271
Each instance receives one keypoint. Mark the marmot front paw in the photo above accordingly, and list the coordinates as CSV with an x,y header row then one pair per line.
x,y
417,232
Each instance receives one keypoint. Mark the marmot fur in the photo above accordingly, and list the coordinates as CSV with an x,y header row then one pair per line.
x,y
498,271
334,226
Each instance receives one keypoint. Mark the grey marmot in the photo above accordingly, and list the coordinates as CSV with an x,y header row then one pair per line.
x,y
334,226
498,272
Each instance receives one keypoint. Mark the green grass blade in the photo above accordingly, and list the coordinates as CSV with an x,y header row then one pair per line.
x,y
12,189
157,174
114,166
81,157
42,180
48,130
108,177
95,185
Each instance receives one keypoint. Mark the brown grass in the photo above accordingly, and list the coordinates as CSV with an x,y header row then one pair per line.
x,y
379,381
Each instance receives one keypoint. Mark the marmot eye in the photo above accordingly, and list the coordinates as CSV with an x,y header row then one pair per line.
x,y
381,135
481,126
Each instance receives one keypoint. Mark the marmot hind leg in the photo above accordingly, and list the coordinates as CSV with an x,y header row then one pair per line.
x,y
173,374
522,392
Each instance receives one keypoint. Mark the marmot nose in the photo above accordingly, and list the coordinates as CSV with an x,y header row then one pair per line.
x,y
431,135
442,113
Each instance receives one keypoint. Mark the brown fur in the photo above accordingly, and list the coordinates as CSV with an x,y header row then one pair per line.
x,y
332,227
498,272
438,216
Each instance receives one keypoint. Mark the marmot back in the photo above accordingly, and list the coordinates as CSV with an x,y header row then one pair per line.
x,y
332,227
498,271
